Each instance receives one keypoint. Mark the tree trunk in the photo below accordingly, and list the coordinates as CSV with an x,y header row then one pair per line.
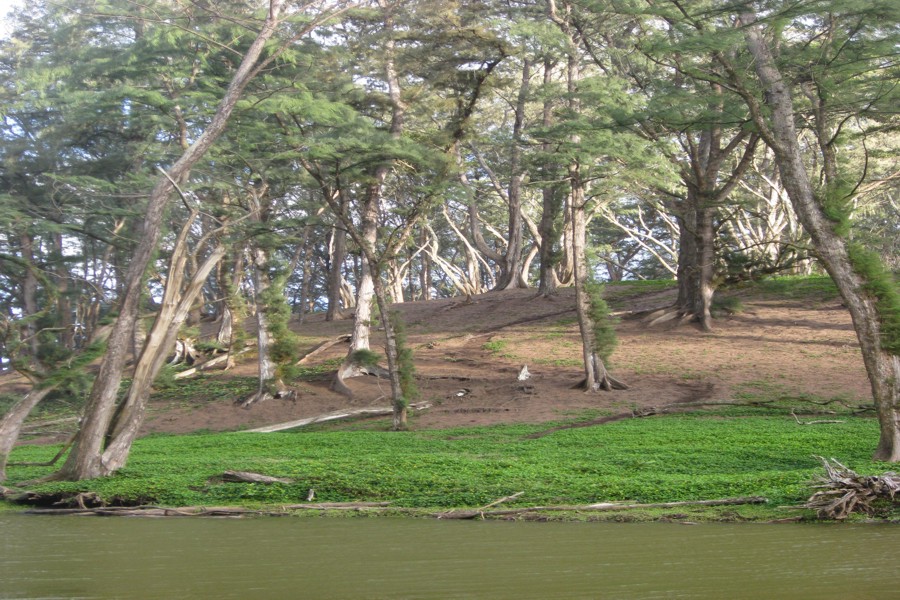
x,y
883,368
266,371
596,376
511,274
398,402
338,252
696,260
425,267
129,415
11,424
551,203
372,204
85,458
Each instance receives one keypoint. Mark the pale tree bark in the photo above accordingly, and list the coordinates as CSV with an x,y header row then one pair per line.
x,y
596,377
371,208
264,340
776,124
85,458
177,305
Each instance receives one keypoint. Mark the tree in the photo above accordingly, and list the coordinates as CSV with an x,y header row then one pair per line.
x,y
847,38
88,458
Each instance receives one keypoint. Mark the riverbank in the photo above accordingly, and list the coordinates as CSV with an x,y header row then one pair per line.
x,y
726,453
742,411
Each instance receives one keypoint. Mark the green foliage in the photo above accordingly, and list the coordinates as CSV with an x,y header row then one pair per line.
x,y
604,333
645,460
837,204
494,346
882,285
365,357
405,364
799,286
285,345
74,377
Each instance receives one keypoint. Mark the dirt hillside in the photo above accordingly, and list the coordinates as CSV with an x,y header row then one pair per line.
x,y
468,355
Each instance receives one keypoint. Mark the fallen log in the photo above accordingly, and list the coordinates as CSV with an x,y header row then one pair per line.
x,y
375,411
603,506
320,348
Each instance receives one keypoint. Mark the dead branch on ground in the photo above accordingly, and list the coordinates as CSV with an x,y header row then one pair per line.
x,y
248,477
843,492
375,411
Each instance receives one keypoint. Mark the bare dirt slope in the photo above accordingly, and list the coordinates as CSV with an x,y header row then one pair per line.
x,y
469,354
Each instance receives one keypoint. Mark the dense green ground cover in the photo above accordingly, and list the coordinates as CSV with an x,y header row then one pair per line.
x,y
682,457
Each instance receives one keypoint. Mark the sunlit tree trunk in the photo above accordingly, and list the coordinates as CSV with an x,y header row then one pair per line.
x,y
780,134
85,459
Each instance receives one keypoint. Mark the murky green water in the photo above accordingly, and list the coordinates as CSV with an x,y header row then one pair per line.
x,y
90,557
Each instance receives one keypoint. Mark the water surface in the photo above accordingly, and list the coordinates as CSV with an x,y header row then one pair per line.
x,y
324,558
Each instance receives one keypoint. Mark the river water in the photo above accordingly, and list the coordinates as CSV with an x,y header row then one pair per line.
x,y
324,558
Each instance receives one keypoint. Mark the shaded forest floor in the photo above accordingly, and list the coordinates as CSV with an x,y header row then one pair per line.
x,y
785,343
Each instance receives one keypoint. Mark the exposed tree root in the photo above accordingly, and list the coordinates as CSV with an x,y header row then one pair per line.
x,y
669,313
283,393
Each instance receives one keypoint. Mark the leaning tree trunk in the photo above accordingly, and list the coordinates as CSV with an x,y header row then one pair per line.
x,y
883,368
176,308
85,459
11,424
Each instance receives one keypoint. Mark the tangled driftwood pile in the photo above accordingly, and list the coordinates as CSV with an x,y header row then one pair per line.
x,y
842,492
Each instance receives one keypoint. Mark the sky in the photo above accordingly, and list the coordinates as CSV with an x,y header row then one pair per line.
x,y
5,7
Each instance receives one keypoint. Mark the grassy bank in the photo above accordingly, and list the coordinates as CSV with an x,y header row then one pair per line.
x,y
660,459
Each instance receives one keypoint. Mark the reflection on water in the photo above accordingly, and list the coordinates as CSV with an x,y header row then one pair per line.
x,y
321,558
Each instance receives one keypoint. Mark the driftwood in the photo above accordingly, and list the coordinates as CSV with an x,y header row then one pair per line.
x,y
375,411
600,507
247,477
320,348
843,492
